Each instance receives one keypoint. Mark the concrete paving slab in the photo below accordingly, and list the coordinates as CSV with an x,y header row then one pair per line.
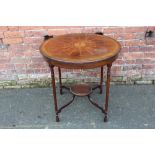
x,y
130,106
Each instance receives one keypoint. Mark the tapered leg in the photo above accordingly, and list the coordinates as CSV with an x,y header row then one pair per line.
x,y
60,82
101,81
107,91
54,93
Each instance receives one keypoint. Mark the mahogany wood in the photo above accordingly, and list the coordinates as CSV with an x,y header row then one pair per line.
x,y
54,92
81,89
101,81
80,51
60,82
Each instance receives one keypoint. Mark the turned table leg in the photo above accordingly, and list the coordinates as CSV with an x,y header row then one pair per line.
x,y
101,81
107,91
60,82
54,92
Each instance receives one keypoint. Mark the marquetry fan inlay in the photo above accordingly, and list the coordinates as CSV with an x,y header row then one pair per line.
x,y
80,47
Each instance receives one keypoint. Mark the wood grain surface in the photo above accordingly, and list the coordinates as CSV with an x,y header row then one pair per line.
x,y
80,49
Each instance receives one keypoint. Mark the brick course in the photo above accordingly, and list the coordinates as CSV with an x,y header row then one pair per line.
x,y
20,58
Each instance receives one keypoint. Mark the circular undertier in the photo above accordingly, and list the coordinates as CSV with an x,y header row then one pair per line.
x,y
81,89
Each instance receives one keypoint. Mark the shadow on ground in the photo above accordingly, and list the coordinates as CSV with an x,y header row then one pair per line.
x,y
129,107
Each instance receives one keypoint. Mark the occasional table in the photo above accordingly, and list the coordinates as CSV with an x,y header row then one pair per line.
x,y
80,51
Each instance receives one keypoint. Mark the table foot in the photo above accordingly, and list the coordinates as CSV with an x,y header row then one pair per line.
x,y
57,118
105,118
61,93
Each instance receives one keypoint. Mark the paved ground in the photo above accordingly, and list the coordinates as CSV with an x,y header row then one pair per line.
x,y
130,107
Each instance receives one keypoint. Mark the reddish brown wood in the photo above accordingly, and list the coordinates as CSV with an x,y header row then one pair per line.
x,y
101,81
60,82
54,92
82,50
107,91
81,89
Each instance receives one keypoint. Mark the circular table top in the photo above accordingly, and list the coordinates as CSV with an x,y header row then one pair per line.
x,y
80,50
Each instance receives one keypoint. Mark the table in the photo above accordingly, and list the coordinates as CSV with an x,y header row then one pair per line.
x,y
80,51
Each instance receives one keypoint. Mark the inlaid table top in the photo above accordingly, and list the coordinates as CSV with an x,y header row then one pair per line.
x,y
80,50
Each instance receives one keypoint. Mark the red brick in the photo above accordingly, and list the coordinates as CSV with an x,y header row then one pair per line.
x,y
92,29
150,41
41,71
133,74
13,28
17,54
148,66
1,35
134,29
75,30
119,62
21,71
4,53
61,27
116,68
125,49
37,59
35,33
33,40
129,62
142,48
147,48
31,27
6,66
3,28
12,40
14,34
28,53
145,61
129,36
17,48
134,49
132,67
4,60
37,65
20,60
23,47
36,53
149,55
150,48
152,28
113,30
134,42
133,56
19,66
57,31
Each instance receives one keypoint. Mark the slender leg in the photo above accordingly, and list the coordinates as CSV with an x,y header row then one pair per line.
x,y
54,92
107,91
101,81
60,82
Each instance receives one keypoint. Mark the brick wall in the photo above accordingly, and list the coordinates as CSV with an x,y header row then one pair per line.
x,y
21,63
